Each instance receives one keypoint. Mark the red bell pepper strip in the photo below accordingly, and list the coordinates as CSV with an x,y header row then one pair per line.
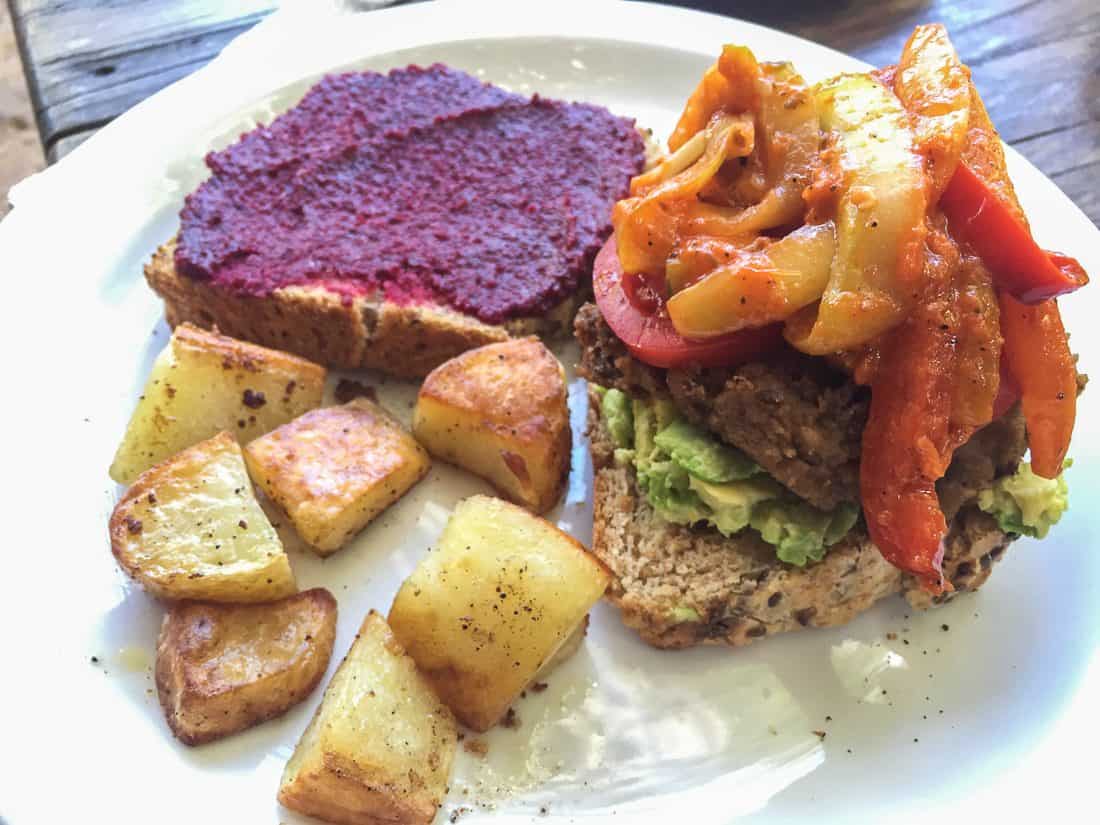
x,y
906,445
979,217
1008,391
1038,356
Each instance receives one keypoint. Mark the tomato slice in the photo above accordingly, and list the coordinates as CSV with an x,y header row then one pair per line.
x,y
637,316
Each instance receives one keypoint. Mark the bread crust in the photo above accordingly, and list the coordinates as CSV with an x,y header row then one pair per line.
x,y
679,586
408,341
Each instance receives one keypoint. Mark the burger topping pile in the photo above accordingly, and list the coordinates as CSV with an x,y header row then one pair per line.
x,y
869,219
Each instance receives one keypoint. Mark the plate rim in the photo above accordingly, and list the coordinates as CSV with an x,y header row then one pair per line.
x,y
35,198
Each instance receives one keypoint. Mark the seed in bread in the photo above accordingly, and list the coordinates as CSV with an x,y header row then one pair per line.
x,y
487,609
191,528
380,746
334,469
223,668
203,383
501,412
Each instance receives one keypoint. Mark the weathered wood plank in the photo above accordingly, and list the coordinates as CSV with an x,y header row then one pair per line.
x,y
88,62
1071,158
1037,62
1079,184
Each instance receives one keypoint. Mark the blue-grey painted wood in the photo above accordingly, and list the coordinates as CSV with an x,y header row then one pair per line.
x,y
1037,62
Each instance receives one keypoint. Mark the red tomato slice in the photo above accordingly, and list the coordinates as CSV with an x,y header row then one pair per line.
x,y
638,317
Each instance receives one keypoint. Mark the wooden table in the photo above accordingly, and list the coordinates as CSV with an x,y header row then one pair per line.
x,y
1037,62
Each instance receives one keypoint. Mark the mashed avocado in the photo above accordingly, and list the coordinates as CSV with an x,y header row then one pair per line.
x,y
1026,504
690,477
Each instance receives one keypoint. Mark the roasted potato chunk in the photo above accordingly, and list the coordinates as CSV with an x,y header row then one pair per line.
x,y
380,746
335,469
482,614
222,668
191,528
501,412
203,383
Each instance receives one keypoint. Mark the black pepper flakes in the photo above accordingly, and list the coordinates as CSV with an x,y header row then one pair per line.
x,y
253,399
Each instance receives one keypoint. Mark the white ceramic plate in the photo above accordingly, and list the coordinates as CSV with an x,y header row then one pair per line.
x,y
991,717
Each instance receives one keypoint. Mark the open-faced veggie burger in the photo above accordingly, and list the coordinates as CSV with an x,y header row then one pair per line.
x,y
822,342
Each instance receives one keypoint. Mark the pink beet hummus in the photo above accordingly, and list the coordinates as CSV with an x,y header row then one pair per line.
x,y
418,185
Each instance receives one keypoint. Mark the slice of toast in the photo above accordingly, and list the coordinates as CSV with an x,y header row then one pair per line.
x,y
683,586
408,341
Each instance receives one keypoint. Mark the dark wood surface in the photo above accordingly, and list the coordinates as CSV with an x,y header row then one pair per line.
x,y
1036,62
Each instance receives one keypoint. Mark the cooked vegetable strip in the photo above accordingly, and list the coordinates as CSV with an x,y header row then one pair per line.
x,y
1038,355
674,164
791,134
876,276
978,369
998,233
934,86
936,384
1035,345
696,257
644,228
728,86
757,288
905,444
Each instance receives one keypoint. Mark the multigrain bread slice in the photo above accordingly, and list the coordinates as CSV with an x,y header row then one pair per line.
x,y
682,586
346,333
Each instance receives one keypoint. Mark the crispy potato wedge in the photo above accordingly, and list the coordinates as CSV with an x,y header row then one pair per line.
x,y
203,383
500,411
380,746
335,469
191,528
222,668
482,614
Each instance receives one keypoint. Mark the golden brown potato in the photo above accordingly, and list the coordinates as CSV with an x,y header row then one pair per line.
x,y
482,614
335,469
222,668
191,528
380,746
203,383
501,412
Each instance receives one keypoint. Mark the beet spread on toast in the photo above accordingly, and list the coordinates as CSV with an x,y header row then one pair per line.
x,y
421,186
